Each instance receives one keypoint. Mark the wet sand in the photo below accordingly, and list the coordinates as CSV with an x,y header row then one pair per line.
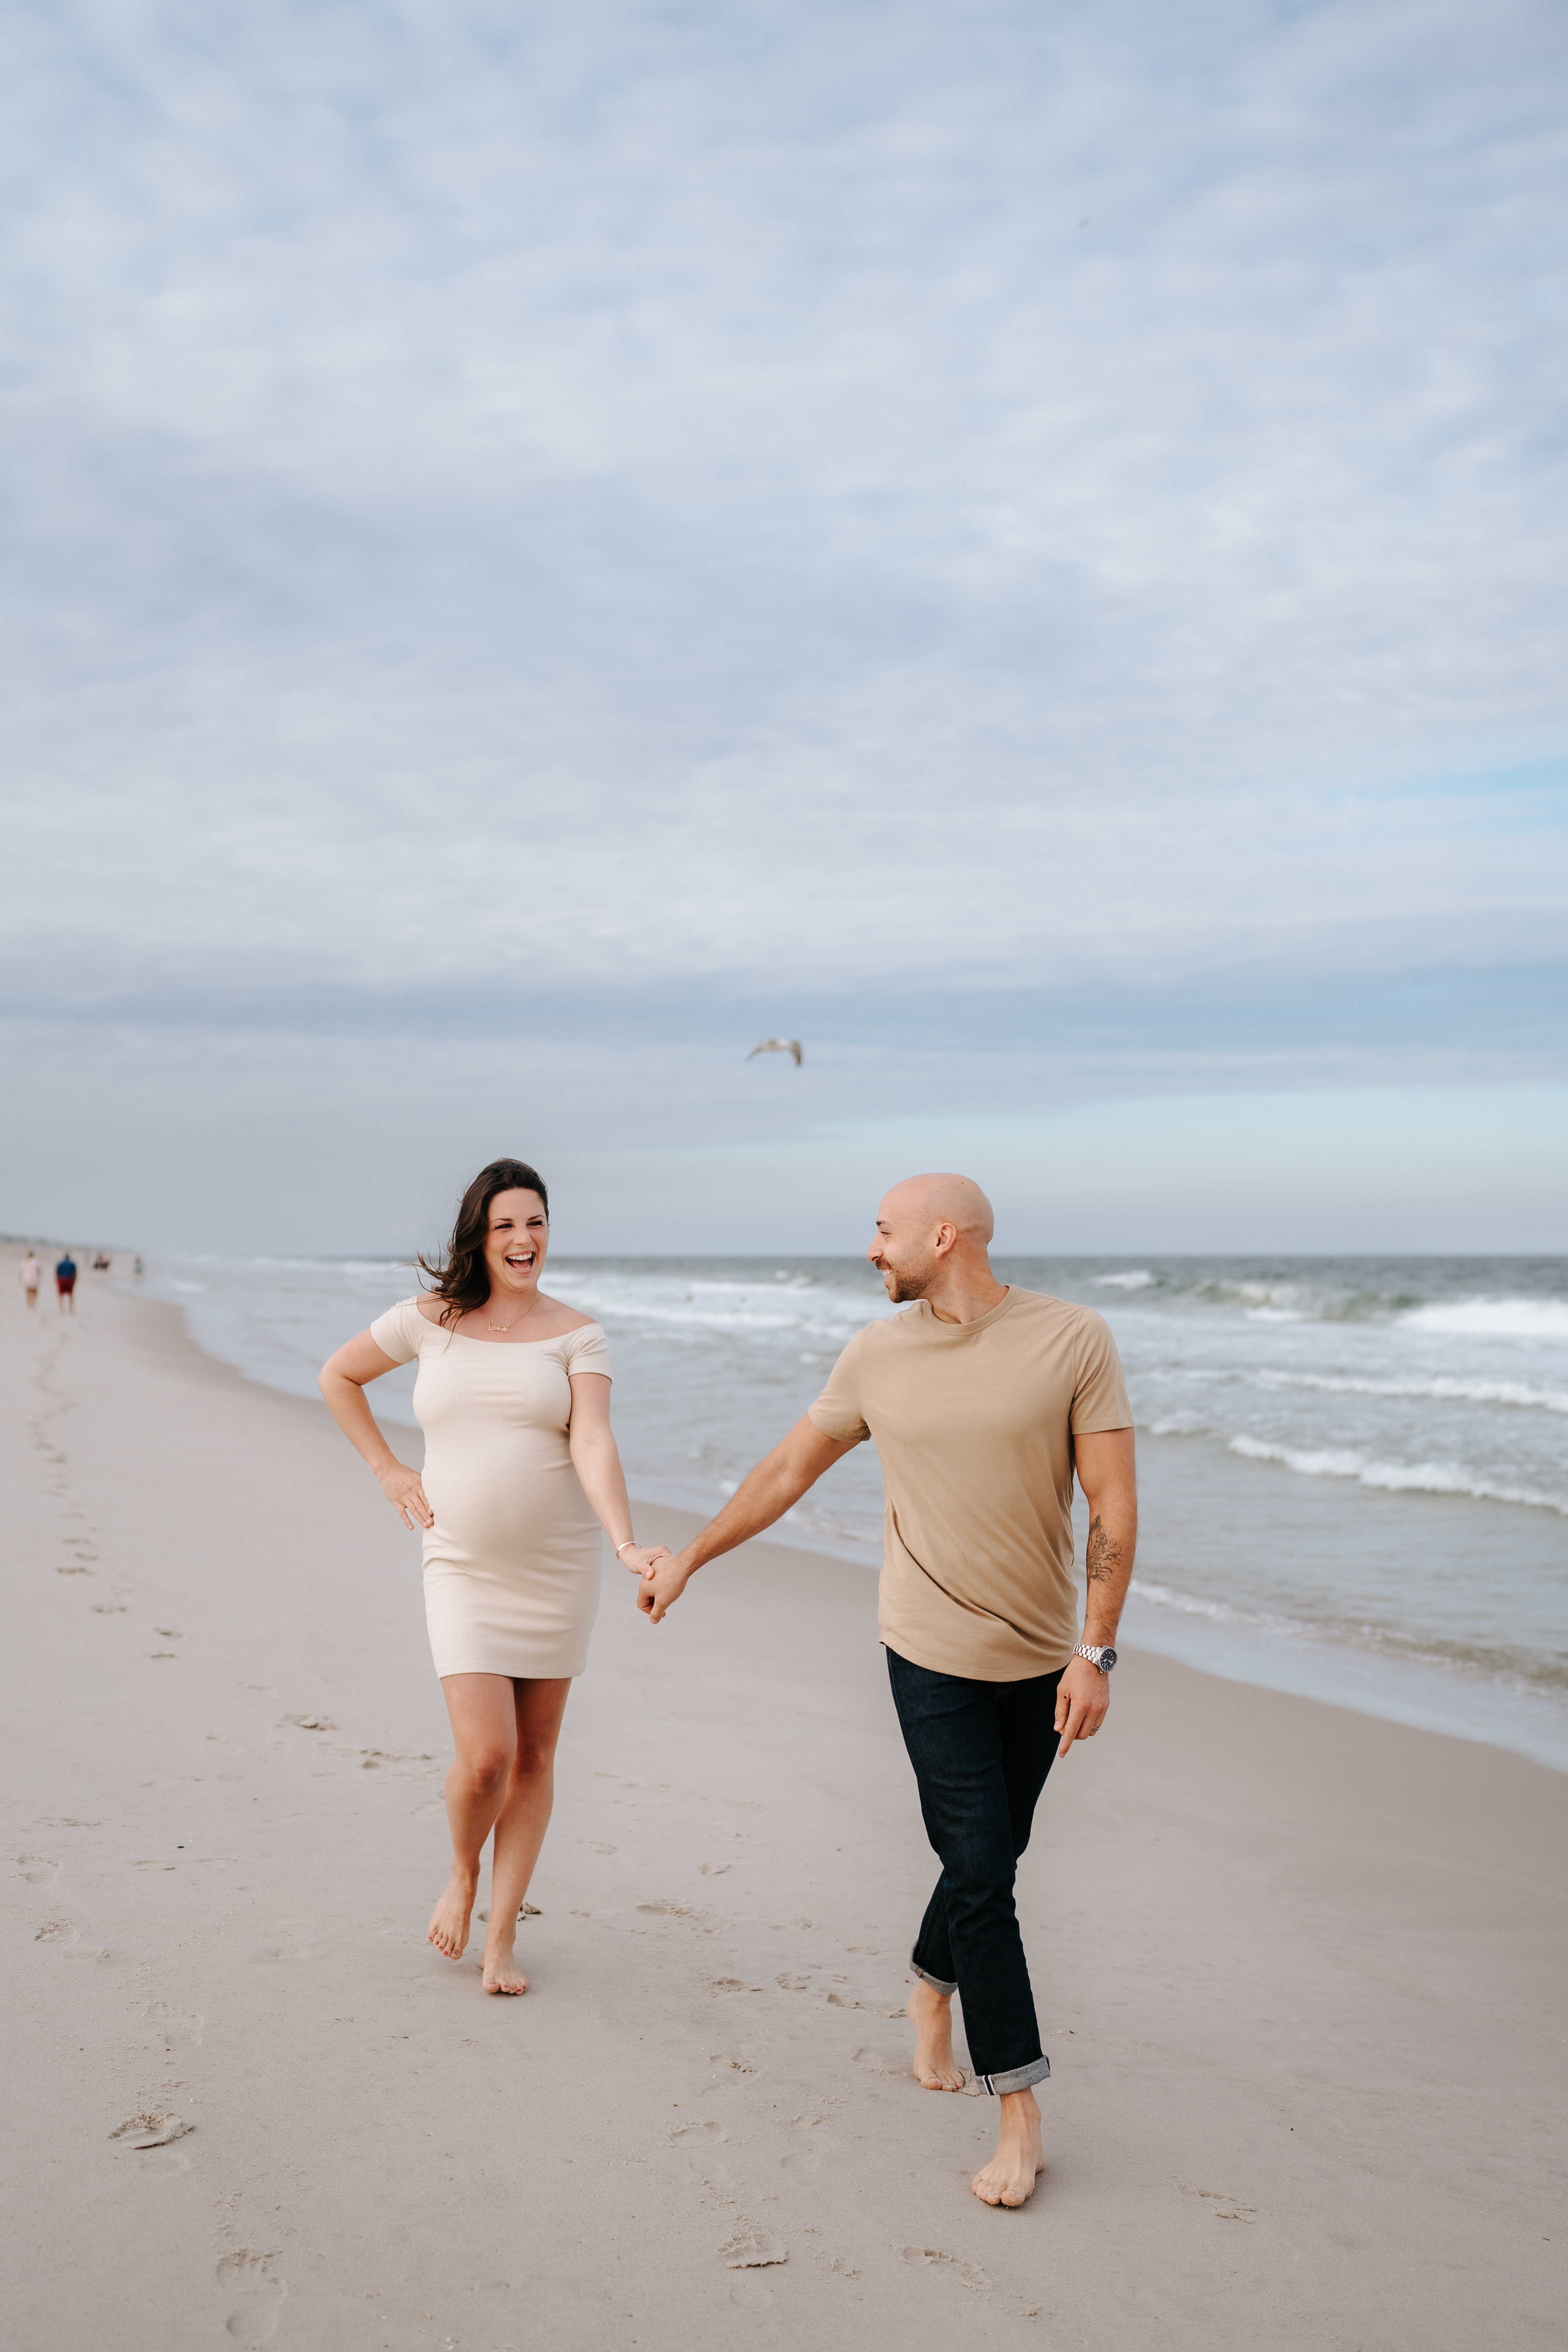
x,y
1300,1973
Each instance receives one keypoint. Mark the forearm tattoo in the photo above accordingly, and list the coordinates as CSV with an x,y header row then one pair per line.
x,y
1103,1555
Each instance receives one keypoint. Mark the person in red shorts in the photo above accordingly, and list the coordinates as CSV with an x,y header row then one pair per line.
x,y
65,1282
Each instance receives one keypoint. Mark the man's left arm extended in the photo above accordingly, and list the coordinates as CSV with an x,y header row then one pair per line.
x,y
1107,1476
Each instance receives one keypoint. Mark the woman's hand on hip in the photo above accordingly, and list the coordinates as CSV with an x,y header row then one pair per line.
x,y
643,1558
404,1490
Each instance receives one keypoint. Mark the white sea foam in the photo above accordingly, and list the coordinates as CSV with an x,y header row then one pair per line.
x,y
1441,1388
1165,1597
1140,1279
1491,1319
705,1305
1256,1295
1395,1477
1321,1462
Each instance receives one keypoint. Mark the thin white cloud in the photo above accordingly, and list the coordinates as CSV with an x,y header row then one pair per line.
x,y
805,495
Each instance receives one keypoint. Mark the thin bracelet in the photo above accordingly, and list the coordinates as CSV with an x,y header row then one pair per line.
x,y
627,1546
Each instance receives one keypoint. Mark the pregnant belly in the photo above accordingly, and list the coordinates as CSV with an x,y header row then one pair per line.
x,y
500,1514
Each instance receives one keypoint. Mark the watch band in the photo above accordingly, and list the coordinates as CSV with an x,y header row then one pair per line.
x,y
1097,1653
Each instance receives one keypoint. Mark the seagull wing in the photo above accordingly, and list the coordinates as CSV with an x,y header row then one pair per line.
x,y
763,1045
792,1046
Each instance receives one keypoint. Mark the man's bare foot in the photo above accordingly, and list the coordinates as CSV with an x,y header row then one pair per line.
x,y
448,1929
930,2014
502,1971
1009,2178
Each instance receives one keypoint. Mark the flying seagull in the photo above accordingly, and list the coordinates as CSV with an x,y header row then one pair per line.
x,y
777,1046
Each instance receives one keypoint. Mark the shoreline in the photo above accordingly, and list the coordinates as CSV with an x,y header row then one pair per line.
x,y
1190,1501
1299,1971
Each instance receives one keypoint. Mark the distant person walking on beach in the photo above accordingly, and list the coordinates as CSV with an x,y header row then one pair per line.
x,y
983,1402
65,1282
520,1472
29,1273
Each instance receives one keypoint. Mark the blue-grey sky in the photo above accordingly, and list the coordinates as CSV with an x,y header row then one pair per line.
x,y
1024,546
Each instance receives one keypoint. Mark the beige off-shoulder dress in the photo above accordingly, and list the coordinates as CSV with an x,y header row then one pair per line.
x,y
513,1558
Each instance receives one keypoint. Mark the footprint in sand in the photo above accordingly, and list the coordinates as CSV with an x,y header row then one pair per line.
x,y
812,2137
155,2129
1223,2208
594,1846
793,1984
37,1869
968,2274
665,1908
704,2133
884,2062
259,2296
311,1722
752,2248
177,2025
56,1931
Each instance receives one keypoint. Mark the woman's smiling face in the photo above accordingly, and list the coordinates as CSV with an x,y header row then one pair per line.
x,y
516,1242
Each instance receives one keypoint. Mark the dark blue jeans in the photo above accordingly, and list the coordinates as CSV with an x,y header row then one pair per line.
x,y
981,1753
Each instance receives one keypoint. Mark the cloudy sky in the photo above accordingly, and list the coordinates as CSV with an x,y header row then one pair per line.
x,y
1021,545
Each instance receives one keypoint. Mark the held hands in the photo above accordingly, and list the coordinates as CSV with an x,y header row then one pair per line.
x,y
404,1491
1083,1695
663,1583
643,1558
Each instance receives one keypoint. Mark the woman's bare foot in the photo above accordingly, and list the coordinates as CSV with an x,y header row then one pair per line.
x,y
502,1971
1009,2178
448,1929
930,2014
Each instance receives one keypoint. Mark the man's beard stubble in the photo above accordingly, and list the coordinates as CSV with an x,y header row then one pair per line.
x,y
910,1283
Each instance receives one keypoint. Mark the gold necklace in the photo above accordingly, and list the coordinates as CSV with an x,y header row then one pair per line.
x,y
512,1325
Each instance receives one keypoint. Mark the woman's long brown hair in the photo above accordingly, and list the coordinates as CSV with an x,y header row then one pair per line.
x,y
460,1277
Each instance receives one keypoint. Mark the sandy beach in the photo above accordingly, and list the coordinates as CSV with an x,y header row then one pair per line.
x,y
1300,1973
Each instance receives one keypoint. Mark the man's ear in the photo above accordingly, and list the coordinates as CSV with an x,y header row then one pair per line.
x,y
946,1235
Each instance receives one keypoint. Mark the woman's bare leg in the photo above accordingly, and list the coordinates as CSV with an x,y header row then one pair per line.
x,y
521,1822
484,1727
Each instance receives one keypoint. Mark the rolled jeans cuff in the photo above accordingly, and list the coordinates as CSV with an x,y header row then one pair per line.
x,y
1016,2078
926,1977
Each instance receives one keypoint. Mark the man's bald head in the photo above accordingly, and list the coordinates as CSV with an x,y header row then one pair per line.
x,y
930,1229
957,1201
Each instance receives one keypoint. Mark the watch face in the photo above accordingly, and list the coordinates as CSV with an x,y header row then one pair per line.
x,y
1107,1660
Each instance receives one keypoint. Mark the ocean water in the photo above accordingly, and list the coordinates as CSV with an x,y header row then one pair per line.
x,y
1355,1471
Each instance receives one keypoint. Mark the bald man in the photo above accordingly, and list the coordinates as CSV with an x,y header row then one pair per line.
x,y
983,1401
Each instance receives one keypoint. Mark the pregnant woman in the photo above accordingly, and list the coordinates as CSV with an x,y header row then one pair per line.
x,y
521,1473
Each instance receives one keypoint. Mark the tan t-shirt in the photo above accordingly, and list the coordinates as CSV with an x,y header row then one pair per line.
x,y
974,1423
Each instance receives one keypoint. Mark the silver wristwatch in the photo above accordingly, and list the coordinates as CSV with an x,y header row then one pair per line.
x,y
1104,1657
